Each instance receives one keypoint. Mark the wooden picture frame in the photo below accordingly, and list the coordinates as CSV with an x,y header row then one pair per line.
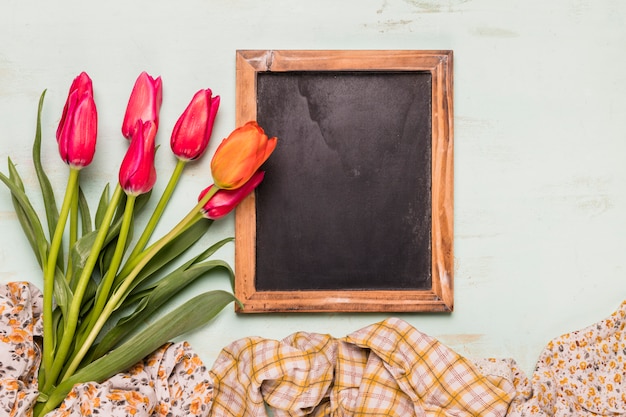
x,y
268,69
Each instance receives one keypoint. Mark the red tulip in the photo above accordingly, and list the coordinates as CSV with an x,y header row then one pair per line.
x,y
240,155
144,103
78,128
137,173
192,131
224,201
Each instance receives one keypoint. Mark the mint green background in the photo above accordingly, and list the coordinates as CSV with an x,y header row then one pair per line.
x,y
540,179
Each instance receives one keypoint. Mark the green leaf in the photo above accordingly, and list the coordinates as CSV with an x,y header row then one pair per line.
x,y
168,253
142,200
58,325
27,227
102,206
29,217
52,212
79,253
199,258
104,261
62,293
211,250
82,248
191,315
88,297
163,292
171,285
85,216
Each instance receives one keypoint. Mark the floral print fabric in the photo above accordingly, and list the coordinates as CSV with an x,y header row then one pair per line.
x,y
172,381
582,373
20,324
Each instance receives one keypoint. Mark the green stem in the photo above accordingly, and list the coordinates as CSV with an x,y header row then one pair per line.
x,y
49,273
73,230
158,211
107,282
83,281
121,292
138,251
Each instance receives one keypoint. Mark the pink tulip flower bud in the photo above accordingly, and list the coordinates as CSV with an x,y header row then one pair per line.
x,y
78,128
144,103
224,201
192,131
137,172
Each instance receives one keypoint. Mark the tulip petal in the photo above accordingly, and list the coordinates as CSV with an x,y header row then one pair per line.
x,y
137,173
191,134
224,201
85,121
78,128
240,155
144,103
80,84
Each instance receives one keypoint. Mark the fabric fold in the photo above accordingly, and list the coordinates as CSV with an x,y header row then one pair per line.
x,y
581,373
388,368
172,381
20,325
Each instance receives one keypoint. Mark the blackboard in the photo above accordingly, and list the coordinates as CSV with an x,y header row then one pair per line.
x,y
349,216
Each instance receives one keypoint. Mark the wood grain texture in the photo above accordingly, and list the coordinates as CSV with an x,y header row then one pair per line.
x,y
439,298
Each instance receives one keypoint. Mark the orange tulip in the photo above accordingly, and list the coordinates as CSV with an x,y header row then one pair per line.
x,y
240,155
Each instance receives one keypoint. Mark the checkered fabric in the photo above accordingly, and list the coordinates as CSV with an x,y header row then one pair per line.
x,y
386,369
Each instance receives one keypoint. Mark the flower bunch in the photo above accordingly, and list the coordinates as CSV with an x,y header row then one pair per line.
x,y
100,284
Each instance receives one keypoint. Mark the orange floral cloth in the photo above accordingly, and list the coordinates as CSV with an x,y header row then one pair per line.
x,y
170,382
20,324
582,373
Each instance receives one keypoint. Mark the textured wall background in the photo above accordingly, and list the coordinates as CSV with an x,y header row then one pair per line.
x,y
540,92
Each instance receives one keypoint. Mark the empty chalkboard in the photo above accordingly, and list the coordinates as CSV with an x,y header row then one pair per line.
x,y
346,202
355,208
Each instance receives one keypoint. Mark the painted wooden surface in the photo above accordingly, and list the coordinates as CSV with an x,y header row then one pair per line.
x,y
540,182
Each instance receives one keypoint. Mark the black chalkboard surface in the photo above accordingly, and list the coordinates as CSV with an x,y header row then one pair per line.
x,y
346,201
355,212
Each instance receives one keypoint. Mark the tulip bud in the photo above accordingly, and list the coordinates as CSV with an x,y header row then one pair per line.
x,y
137,172
144,103
240,155
78,128
224,201
192,131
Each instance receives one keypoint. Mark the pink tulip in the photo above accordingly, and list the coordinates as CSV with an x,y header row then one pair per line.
x,y
224,201
192,131
78,128
137,173
144,103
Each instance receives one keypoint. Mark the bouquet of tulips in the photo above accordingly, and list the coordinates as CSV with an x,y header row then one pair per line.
x,y
98,287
